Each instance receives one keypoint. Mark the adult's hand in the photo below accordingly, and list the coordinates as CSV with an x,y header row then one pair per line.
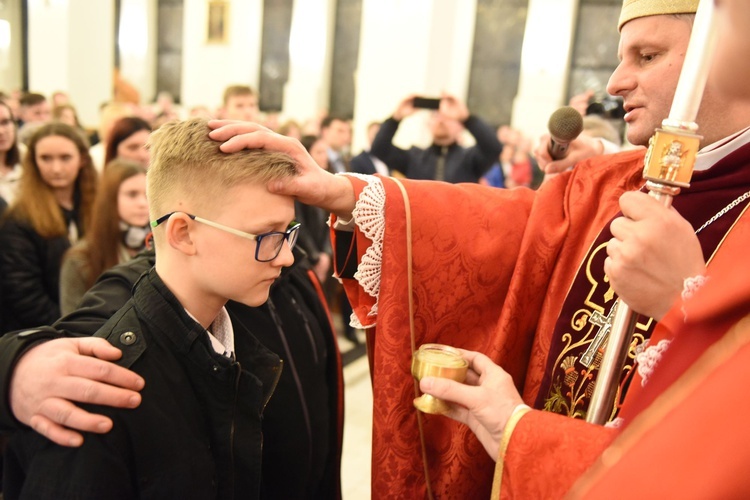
x,y
581,148
51,375
484,402
580,102
314,186
452,107
652,251
405,108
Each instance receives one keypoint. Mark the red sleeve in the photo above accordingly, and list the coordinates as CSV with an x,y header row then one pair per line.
x,y
548,452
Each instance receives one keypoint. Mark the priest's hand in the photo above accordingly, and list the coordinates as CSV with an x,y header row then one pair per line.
x,y
484,402
652,252
582,148
314,186
52,374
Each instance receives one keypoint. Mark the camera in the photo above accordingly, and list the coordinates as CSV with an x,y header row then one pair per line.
x,y
426,102
608,107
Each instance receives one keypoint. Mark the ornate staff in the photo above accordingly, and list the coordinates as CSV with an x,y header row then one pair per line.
x,y
668,168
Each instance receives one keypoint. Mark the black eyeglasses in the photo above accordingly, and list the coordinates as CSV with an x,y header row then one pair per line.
x,y
268,245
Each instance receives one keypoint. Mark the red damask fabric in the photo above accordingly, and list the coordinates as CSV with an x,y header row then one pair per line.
x,y
483,279
491,269
690,419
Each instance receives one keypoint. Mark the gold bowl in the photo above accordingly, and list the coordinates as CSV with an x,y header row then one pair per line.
x,y
437,360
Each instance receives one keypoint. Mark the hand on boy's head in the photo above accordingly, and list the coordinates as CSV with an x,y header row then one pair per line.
x,y
51,375
236,136
314,186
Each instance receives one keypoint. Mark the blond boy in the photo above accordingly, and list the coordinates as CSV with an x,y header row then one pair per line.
x,y
219,235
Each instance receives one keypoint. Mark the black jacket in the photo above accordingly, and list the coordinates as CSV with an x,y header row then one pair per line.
x,y
303,421
30,274
461,164
197,433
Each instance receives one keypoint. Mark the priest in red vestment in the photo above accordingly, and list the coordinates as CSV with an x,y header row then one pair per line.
x,y
519,275
684,433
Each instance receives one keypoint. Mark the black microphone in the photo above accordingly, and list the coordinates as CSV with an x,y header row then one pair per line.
x,y
564,126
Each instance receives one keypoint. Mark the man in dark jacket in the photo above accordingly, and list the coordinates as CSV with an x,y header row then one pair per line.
x,y
445,159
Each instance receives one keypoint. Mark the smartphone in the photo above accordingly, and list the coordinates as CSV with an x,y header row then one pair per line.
x,y
426,102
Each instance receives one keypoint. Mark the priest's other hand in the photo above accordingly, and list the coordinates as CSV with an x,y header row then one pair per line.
x,y
314,186
484,402
51,375
652,252
582,148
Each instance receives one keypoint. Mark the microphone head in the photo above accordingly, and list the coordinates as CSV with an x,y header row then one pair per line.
x,y
565,124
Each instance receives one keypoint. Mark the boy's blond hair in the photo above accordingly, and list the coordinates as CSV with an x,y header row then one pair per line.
x,y
188,170
237,90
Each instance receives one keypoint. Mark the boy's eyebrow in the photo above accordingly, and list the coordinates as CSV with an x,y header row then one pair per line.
x,y
271,223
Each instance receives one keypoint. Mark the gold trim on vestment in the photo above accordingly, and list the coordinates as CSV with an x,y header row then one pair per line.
x,y
722,350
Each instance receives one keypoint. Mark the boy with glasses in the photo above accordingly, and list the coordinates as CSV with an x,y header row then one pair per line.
x,y
197,432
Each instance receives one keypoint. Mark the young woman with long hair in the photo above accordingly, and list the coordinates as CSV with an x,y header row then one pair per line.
x,y
127,140
118,231
53,207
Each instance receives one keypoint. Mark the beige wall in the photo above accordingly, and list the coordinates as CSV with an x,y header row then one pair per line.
x,y
417,46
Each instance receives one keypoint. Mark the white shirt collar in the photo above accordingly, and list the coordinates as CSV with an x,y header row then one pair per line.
x,y
711,154
222,338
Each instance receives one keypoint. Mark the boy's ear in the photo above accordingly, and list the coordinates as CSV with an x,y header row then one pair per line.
x,y
178,233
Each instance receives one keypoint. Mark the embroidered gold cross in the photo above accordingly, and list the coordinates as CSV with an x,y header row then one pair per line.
x,y
605,325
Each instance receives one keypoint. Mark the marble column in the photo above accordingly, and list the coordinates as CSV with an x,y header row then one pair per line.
x,y
310,50
419,46
11,54
71,48
137,45
545,63
209,65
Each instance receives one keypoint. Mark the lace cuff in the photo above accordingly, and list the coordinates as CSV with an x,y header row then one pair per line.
x,y
692,285
369,216
689,287
647,359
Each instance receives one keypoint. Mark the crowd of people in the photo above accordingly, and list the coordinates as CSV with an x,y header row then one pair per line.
x,y
521,280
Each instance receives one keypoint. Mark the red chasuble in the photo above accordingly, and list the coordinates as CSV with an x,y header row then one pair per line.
x,y
491,271
690,419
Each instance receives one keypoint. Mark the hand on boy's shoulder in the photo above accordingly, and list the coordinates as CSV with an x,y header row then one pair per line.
x,y
52,377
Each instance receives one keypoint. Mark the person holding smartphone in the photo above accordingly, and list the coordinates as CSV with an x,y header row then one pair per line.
x,y
445,159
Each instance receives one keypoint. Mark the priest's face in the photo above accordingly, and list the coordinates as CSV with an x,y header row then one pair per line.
x,y
651,52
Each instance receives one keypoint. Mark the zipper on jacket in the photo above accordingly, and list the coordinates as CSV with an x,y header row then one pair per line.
x,y
238,367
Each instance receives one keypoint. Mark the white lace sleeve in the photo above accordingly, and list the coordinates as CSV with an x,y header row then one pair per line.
x,y
369,215
689,288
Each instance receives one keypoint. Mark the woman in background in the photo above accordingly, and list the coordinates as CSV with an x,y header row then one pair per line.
x,y
52,207
127,140
10,155
118,231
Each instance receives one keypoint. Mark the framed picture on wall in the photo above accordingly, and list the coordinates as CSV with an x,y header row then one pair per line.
x,y
218,21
